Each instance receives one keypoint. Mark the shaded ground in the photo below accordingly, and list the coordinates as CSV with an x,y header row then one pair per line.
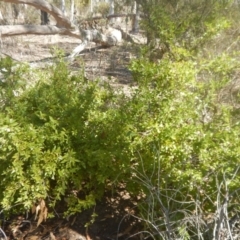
x,y
112,220
112,215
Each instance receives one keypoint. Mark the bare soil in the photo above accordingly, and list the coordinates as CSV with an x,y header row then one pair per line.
x,y
97,62
113,214
111,218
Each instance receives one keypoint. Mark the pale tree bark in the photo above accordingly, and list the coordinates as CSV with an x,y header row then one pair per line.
x,y
111,9
14,30
1,16
62,21
111,38
63,26
63,7
72,11
136,17
91,5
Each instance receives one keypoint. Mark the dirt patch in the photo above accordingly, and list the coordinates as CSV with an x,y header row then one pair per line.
x,y
111,218
104,63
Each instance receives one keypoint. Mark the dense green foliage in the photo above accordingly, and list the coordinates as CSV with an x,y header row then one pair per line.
x,y
172,138
192,139
55,139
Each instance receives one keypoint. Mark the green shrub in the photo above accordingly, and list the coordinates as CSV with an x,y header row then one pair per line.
x,y
185,153
172,139
184,143
63,139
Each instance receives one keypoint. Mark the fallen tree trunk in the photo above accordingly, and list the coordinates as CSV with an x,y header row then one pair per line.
x,y
14,30
64,27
